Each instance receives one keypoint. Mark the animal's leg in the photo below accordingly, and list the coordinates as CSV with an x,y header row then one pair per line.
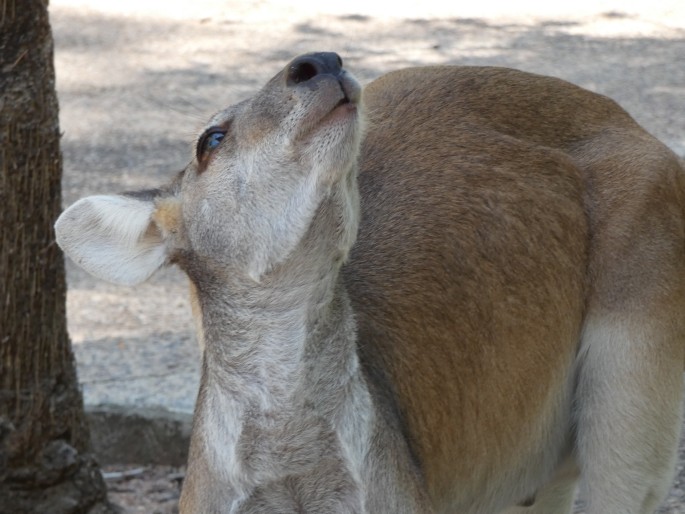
x,y
628,411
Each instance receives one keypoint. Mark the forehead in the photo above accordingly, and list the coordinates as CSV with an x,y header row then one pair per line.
x,y
254,120
226,115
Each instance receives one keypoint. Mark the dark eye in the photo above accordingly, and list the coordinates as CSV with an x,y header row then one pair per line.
x,y
209,141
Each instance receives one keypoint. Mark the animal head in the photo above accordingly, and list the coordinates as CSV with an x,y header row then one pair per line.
x,y
271,176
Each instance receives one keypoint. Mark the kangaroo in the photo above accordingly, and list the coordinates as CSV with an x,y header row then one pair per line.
x,y
461,290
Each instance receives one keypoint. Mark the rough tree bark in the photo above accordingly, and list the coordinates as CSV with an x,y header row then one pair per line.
x,y
45,465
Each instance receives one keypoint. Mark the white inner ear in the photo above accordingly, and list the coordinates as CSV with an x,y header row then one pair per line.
x,y
113,238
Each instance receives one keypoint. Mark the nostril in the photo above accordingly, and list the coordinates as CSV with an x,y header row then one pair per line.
x,y
305,67
302,72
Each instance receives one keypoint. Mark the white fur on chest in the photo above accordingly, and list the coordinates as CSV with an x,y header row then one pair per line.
x,y
354,426
226,418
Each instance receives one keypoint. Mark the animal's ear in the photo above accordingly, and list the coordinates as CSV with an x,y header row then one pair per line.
x,y
117,238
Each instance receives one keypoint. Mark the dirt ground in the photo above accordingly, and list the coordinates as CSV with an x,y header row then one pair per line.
x,y
144,489
136,80
156,490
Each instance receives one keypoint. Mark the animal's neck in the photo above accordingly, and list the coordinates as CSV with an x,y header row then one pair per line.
x,y
272,346
290,336
282,392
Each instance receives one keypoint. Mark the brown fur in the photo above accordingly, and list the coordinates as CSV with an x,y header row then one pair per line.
x,y
167,215
498,208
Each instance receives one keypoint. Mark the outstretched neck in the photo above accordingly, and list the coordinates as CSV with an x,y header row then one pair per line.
x,y
282,335
282,395
273,346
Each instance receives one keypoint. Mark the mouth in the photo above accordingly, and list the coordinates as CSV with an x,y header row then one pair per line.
x,y
351,89
338,105
351,96
343,112
344,104
344,101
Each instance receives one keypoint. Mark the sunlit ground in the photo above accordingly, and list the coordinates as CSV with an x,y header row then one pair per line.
x,y
637,17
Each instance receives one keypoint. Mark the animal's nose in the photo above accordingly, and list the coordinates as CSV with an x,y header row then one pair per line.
x,y
308,66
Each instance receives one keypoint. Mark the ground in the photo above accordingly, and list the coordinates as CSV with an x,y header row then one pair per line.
x,y
156,489
144,489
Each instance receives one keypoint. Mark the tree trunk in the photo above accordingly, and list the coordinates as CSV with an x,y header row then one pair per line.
x,y
45,465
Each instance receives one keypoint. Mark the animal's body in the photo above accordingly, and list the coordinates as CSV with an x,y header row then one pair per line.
x,y
510,319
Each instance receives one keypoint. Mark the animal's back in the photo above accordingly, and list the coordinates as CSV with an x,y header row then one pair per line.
x,y
483,190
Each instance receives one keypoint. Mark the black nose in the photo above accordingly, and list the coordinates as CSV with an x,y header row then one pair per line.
x,y
308,66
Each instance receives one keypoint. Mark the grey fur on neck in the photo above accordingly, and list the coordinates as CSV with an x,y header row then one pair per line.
x,y
284,399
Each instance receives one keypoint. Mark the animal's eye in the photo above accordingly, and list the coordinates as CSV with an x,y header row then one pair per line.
x,y
209,141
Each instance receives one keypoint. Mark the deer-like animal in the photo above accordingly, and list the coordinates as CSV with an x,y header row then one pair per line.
x,y
462,291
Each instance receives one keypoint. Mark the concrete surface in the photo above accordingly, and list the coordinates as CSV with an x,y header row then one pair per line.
x,y
137,78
